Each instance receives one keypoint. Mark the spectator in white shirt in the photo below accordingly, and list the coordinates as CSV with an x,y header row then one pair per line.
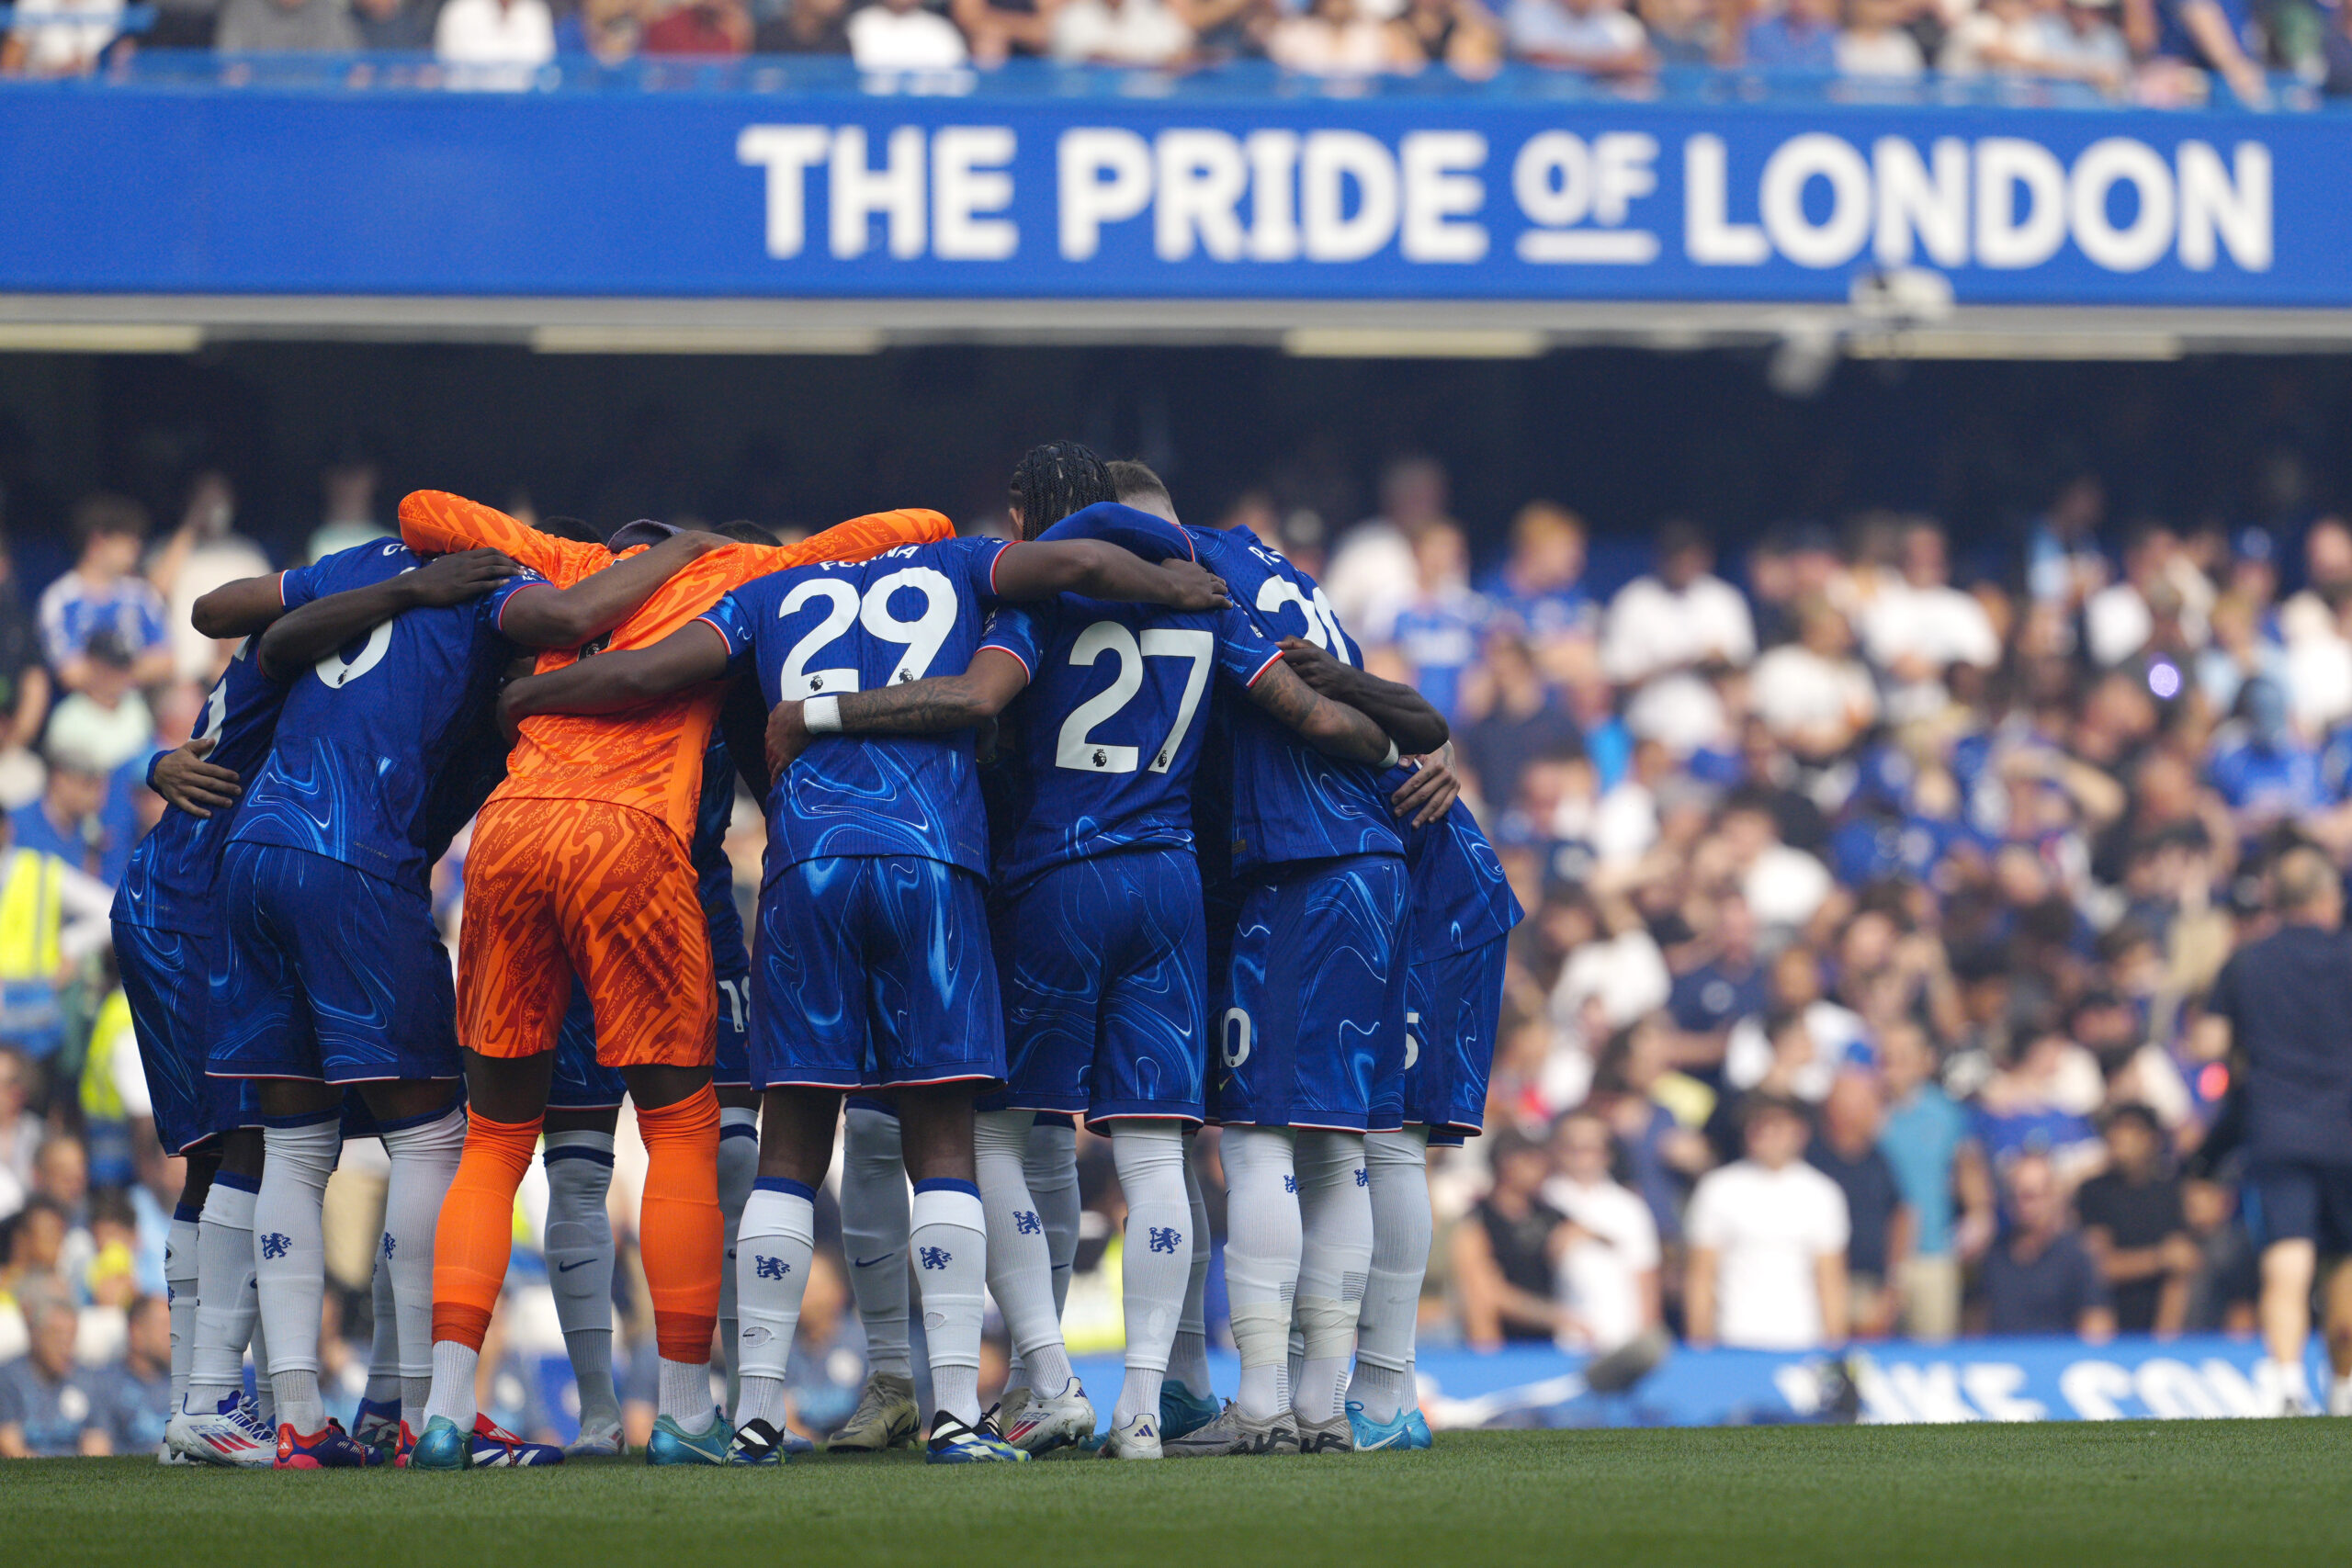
x,y
899,35
1595,36
495,32
1768,1243
203,554
60,38
1608,1272
1665,629
1814,695
1125,32
1374,576
1920,627
1873,43
2159,579
1338,38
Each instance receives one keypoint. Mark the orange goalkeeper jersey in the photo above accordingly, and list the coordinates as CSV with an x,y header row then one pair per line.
x,y
648,756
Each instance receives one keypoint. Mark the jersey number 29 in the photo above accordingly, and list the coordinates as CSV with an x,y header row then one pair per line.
x,y
922,638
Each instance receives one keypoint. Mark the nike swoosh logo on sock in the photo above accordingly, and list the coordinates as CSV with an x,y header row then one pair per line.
x,y
870,1262
568,1267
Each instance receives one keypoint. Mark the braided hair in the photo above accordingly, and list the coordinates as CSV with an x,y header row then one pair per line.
x,y
1053,480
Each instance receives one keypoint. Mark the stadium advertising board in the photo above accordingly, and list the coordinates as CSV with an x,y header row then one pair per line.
x,y
2133,1377
843,194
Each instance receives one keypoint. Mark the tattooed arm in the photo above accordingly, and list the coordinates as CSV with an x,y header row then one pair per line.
x,y
936,704
1331,728
1400,710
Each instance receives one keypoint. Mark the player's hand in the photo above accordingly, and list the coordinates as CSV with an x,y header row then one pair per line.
x,y
465,574
1314,666
1197,588
195,785
787,737
1429,794
513,708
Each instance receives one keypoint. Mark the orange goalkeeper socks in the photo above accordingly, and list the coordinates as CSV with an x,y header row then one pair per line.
x,y
680,1234
477,1227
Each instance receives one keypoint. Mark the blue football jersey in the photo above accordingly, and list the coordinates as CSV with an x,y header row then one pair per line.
x,y
714,873
168,884
368,732
1461,898
1290,801
1112,721
1287,801
848,626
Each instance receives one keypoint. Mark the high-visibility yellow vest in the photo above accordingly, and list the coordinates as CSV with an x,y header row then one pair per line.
x,y
101,1091
30,915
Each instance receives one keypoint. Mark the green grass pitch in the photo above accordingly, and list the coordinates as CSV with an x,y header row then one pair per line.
x,y
2155,1492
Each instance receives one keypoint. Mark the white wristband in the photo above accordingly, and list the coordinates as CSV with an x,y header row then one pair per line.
x,y
822,715
1390,761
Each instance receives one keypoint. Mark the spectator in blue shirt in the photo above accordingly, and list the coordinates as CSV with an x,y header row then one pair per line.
x,y
64,822
49,1408
139,1394
1803,37
1921,1140
104,591
2041,1279
2269,774
2211,35
1438,632
1540,587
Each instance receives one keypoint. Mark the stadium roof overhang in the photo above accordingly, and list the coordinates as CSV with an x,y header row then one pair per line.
x,y
1368,329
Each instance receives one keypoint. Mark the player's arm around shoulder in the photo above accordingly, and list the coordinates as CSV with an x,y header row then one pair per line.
x,y
544,616
434,521
1403,712
936,704
1332,727
305,636
859,539
1099,570
611,682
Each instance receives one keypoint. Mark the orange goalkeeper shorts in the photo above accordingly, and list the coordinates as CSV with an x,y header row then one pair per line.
x,y
555,888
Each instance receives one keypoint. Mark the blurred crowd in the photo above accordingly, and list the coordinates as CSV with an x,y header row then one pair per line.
x,y
1871,915
2153,51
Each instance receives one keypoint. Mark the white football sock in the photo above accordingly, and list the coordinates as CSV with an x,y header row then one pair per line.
x,y
1261,1252
1398,1163
1187,1357
579,1251
455,1367
875,1227
2289,1378
1020,1269
1335,1260
684,1396
425,1156
1051,1166
1157,1261
772,1251
226,1301
738,1166
290,1261
383,1336
264,1392
180,1276
950,1240
2339,1395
